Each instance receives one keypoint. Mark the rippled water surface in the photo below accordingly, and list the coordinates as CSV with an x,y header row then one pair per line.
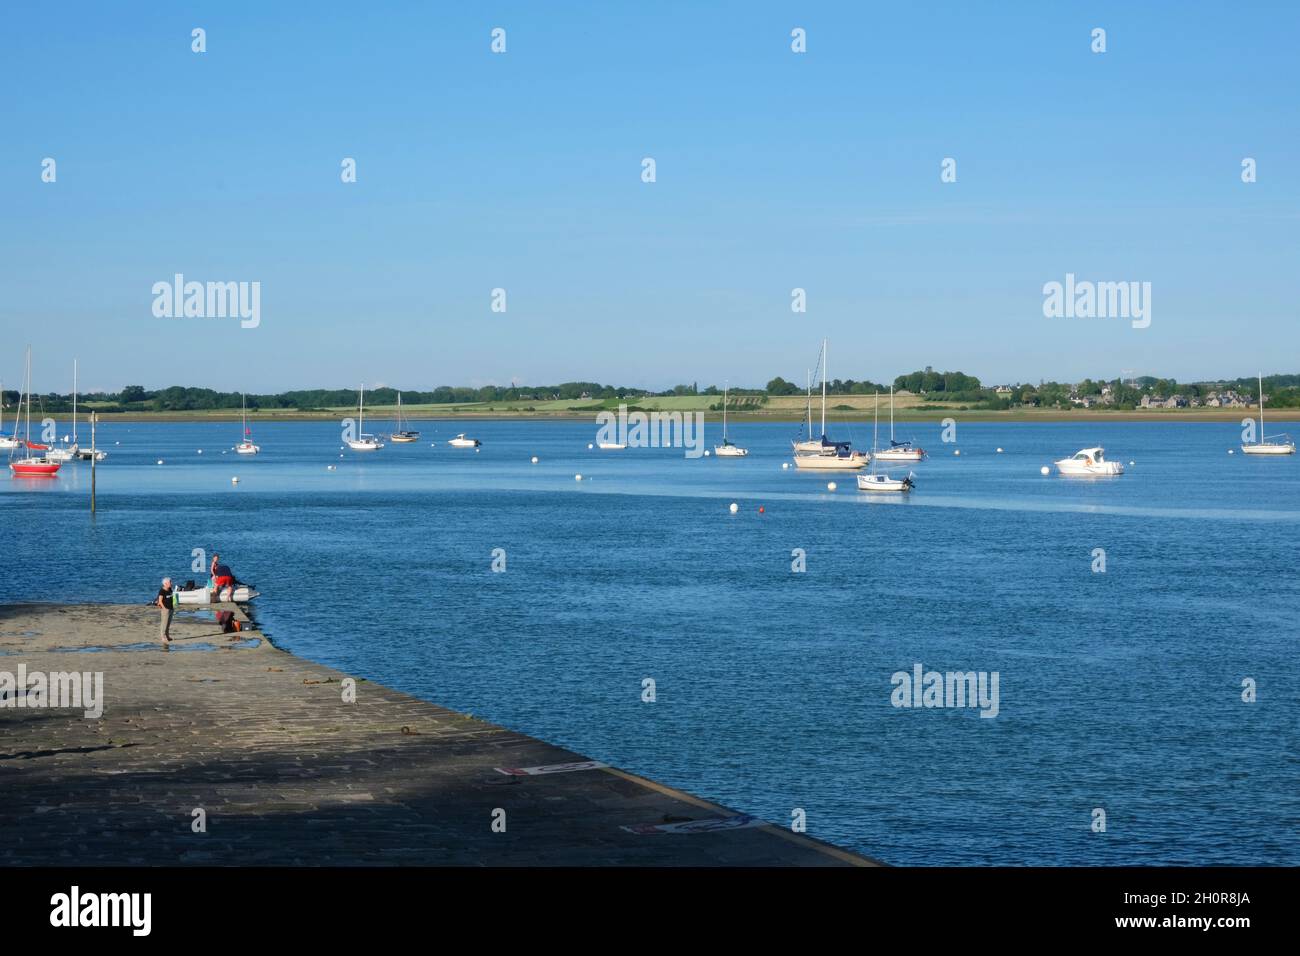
x,y
1120,690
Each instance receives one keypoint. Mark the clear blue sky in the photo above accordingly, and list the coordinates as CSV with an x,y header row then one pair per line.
x,y
522,171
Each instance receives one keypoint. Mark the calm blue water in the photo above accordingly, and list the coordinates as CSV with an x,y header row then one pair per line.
x,y
1119,690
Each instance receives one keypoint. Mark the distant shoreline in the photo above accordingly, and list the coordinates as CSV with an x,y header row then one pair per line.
x,y
1221,416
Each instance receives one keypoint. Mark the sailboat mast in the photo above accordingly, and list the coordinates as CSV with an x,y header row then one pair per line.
x,y
724,413
361,411
824,358
1261,407
891,416
29,397
808,382
74,401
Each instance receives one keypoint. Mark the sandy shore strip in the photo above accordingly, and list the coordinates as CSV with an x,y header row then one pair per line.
x,y
235,753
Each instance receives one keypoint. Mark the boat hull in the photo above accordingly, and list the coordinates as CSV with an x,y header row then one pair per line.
x,y
895,454
882,484
365,445
729,451
249,449
1268,449
1070,468
831,462
204,596
35,468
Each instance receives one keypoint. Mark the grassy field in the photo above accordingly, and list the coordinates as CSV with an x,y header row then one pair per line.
x,y
907,408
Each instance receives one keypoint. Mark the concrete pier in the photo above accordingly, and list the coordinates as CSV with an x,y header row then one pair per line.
x,y
262,749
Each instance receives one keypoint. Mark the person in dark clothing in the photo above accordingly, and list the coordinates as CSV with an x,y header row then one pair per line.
x,y
164,602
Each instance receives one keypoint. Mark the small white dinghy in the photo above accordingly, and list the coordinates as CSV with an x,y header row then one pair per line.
x,y
1089,463
239,595
611,446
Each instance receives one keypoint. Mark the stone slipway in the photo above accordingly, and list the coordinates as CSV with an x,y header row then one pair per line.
x,y
288,774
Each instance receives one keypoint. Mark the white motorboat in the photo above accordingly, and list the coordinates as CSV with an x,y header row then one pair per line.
x,y
727,449
460,441
363,442
897,450
1089,463
246,447
822,454
884,483
1268,444
611,445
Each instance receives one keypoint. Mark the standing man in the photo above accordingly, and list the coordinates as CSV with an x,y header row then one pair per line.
x,y
164,601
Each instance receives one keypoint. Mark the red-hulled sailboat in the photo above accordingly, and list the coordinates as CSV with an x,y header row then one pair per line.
x,y
34,465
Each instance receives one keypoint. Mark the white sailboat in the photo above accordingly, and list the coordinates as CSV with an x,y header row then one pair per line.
x,y
66,452
363,442
827,455
727,449
246,447
876,481
897,450
1279,445
8,440
403,434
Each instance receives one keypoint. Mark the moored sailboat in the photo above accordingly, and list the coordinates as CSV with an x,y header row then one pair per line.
x,y
897,450
246,446
824,454
1268,444
728,449
363,442
8,439
403,434
66,452
32,466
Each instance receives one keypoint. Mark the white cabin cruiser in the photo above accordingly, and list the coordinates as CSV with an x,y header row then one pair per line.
x,y
1089,463
460,441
